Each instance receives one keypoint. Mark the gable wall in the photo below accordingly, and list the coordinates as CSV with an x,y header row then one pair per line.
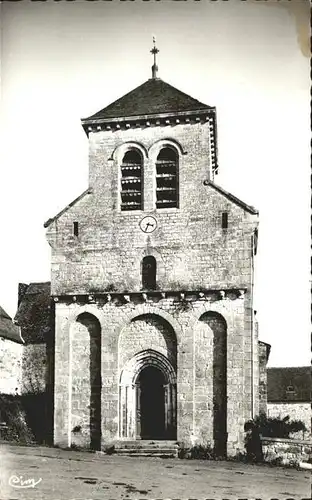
x,y
189,245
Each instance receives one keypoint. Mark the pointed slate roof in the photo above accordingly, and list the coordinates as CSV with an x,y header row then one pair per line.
x,y
8,330
151,98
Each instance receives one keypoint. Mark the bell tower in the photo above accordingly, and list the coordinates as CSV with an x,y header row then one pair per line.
x,y
151,273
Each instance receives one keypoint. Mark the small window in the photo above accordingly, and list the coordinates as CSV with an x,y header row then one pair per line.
x,y
131,181
76,229
149,273
225,222
167,179
290,388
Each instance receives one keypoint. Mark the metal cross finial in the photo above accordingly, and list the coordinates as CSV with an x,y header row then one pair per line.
x,y
154,51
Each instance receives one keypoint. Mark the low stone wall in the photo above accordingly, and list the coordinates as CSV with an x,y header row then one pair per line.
x,y
286,451
23,368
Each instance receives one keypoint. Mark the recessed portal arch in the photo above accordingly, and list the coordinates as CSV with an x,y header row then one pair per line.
x,y
147,397
146,332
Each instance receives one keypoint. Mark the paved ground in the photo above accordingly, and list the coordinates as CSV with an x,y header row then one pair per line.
x,y
68,475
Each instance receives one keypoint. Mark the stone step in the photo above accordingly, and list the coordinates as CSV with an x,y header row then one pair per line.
x,y
147,447
144,448
145,444
149,454
142,452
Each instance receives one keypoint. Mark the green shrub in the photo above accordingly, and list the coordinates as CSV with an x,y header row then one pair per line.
x,y
274,427
277,427
199,452
13,414
110,449
26,418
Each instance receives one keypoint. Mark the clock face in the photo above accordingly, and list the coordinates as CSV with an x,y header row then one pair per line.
x,y
148,224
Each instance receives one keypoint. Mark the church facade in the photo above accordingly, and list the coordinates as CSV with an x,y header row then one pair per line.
x,y
152,282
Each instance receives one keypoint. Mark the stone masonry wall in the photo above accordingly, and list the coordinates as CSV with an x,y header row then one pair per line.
x,y
115,320
22,367
10,366
286,451
34,368
147,332
190,246
296,411
192,252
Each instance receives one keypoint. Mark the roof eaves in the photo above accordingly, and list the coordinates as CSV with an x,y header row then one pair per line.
x,y
233,198
96,121
57,216
10,331
288,368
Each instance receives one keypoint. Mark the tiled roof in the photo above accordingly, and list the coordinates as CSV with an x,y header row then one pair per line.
x,y
34,312
151,98
8,330
289,384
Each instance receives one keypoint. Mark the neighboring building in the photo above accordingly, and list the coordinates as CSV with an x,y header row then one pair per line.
x,y
11,350
27,344
26,365
35,319
289,393
152,281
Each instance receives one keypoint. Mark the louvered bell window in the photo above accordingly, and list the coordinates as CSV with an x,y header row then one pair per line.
x,y
131,181
167,179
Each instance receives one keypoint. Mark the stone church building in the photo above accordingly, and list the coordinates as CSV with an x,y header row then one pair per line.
x,y
152,280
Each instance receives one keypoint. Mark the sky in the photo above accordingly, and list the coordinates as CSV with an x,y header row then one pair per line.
x,y
62,61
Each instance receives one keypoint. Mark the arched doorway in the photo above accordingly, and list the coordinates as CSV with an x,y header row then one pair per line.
x,y
150,387
147,397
